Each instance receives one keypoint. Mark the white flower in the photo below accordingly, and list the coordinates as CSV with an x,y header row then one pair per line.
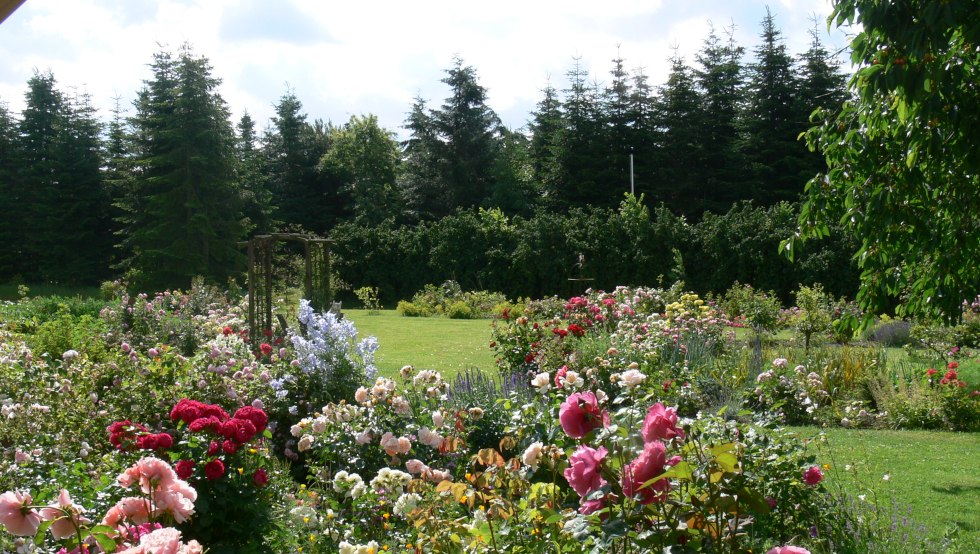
x,y
69,355
406,503
542,382
631,378
305,443
533,454
887,477
573,380
438,419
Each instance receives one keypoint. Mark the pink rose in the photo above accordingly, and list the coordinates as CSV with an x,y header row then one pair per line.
x,y
560,376
812,476
648,465
661,424
131,508
416,467
580,413
16,517
583,472
63,526
788,550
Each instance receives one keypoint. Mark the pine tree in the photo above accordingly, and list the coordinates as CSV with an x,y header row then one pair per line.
x,y
293,150
582,159
11,226
470,132
643,145
183,215
41,128
257,204
426,194
772,122
822,85
720,81
679,117
547,126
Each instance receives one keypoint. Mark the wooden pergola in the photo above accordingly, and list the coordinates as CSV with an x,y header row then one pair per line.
x,y
316,280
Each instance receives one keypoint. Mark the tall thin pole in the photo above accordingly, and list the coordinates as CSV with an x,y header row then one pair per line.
x,y
632,191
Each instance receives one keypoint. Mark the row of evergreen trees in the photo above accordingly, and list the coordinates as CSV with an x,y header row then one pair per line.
x,y
169,190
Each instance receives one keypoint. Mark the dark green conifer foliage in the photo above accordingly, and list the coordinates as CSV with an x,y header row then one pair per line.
x,y
547,127
11,207
582,159
822,86
183,214
772,122
426,194
681,174
257,204
720,80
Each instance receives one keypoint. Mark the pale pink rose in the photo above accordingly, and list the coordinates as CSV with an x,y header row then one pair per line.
x,y
416,467
361,395
162,541
362,438
533,454
177,500
430,438
583,473
192,547
541,382
130,509
21,457
788,550
648,465
149,472
438,419
401,406
389,443
14,515
661,424
438,476
404,445
580,413
63,526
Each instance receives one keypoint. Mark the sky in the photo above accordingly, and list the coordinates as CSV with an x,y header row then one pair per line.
x,y
345,58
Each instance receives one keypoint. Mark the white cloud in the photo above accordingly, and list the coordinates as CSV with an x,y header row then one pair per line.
x,y
369,56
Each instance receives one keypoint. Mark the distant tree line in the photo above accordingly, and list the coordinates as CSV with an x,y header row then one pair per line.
x,y
168,189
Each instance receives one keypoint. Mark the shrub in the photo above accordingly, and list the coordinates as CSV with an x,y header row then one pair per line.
x,y
410,309
369,299
459,310
890,332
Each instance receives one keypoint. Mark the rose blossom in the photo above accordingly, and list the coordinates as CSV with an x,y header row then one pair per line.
x,y
14,515
648,465
430,438
438,419
361,395
631,378
533,454
787,550
812,476
416,467
63,527
583,472
541,382
580,413
214,469
661,424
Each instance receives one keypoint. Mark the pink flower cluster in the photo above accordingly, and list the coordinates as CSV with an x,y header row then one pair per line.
x,y
163,541
164,493
580,413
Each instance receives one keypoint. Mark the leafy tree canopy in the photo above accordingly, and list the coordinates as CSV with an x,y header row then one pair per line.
x,y
903,171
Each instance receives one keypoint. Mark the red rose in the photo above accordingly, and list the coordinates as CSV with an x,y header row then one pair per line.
x,y
260,477
266,348
951,375
214,469
930,372
229,447
184,468
245,431
576,330
952,365
213,448
164,441
257,416
227,331
812,476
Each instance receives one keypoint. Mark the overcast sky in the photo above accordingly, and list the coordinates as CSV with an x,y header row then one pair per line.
x,y
345,58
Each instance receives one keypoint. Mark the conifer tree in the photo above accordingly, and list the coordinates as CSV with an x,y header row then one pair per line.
x,y
257,204
772,122
183,214
680,178
547,126
11,227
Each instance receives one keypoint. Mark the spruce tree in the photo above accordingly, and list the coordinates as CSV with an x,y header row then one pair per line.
x,y
426,194
679,117
720,81
547,126
11,226
822,85
582,159
257,204
772,122
183,214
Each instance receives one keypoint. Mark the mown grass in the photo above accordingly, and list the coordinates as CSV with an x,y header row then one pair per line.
x,y
932,476
446,345
9,291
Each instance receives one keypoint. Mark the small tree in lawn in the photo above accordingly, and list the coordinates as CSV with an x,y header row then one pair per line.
x,y
814,314
760,309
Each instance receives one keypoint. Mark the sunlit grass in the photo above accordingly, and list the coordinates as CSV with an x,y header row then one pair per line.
x,y
933,476
447,345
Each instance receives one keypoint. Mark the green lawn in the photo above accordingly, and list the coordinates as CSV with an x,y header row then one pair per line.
x,y
447,345
935,475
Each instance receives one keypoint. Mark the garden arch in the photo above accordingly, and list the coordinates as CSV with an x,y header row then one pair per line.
x,y
316,281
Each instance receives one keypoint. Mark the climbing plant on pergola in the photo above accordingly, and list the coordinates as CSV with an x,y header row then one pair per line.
x,y
316,281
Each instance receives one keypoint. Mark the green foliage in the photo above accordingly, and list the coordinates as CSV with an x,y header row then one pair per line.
x,y
902,170
65,333
759,308
410,309
369,299
814,315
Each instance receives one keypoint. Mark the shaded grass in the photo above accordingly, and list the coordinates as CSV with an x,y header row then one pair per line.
x,y
934,475
8,291
446,345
